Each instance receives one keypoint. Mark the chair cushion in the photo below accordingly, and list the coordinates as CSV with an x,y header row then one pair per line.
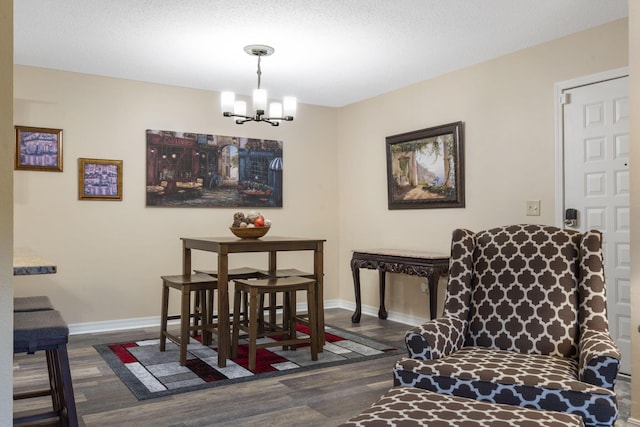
x,y
525,380
36,303
525,290
413,406
34,330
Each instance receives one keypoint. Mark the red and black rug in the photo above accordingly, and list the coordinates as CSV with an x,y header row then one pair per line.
x,y
150,373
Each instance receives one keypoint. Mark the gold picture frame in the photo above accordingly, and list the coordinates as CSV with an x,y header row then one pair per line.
x,y
99,179
38,149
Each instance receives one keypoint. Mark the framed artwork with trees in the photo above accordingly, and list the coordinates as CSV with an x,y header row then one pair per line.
x,y
425,168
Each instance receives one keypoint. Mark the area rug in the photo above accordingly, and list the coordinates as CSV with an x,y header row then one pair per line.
x,y
150,373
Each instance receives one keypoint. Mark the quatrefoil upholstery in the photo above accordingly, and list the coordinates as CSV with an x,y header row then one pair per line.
x,y
524,323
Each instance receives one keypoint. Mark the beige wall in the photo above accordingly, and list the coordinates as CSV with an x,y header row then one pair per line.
x,y
6,211
110,254
634,72
507,106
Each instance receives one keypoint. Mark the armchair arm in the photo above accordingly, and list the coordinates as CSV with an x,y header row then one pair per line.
x,y
599,359
436,338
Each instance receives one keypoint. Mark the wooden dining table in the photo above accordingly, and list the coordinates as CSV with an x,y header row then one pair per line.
x,y
223,246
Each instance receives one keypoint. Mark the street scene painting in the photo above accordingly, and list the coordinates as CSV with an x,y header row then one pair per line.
x,y
425,168
202,170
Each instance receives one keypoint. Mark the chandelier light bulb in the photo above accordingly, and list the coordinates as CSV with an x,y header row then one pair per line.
x,y
260,100
227,101
290,106
275,110
240,108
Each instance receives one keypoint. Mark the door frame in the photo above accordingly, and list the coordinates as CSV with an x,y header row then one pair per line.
x,y
558,90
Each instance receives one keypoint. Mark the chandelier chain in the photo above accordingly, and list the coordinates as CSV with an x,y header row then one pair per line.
x,y
259,71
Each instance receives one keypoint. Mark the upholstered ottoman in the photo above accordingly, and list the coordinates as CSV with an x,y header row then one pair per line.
x,y
408,406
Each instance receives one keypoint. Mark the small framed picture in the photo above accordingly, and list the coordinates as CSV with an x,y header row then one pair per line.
x,y
99,179
425,168
38,149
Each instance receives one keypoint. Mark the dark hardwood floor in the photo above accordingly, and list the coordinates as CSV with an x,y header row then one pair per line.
x,y
324,397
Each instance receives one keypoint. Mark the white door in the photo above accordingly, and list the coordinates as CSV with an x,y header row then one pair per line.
x,y
596,185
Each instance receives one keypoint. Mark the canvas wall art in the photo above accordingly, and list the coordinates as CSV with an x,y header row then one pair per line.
x,y
202,170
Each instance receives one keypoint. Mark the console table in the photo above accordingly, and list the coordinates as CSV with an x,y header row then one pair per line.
x,y
415,263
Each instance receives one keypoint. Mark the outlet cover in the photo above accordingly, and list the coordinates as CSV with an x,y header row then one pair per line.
x,y
533,207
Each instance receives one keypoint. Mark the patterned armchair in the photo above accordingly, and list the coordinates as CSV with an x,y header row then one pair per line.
x,y
525,323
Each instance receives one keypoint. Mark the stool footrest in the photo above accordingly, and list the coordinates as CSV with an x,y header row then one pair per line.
x,y
30,394
33,417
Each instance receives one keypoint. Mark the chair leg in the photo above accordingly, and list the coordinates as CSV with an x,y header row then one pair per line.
x,y
272,309
205,319
67,388
163,316
290,312
211,323
197,312
261,319
253,327
313,322
54,380
184,324
238,295
245,307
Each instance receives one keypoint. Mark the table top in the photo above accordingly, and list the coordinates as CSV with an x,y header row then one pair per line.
x,y
266,239
26,262
267,243
403,253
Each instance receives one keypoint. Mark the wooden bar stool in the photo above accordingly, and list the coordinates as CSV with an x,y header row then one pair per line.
x,y
46,330
255,289
279,273
204,286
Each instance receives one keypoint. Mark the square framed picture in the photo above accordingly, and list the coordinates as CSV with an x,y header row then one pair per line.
x,y
38,149
425,168
99,179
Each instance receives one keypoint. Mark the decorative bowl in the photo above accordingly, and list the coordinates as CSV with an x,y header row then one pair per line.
x,y
249,232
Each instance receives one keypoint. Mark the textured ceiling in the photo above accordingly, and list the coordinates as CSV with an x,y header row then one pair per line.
x,y
327,52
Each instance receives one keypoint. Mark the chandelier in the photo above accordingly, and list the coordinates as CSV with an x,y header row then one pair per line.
x,y
278,111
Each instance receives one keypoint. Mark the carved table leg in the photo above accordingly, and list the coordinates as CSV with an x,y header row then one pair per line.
x,y
356,287
382,312
433,294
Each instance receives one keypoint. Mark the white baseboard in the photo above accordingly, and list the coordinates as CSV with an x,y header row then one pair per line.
x,y
154,321
114,325
373,311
